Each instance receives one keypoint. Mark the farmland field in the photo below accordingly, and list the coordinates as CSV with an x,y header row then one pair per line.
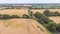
x,y
16,26
21,26
20,12
55,19
25,11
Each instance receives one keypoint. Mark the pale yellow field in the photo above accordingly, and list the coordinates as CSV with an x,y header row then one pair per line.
x,y
42,10
19,12
21,26
55,19
24,11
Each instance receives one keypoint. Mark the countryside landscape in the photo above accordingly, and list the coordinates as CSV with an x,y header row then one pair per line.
x,y
29,18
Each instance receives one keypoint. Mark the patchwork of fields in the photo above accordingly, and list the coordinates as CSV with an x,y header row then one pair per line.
x,y
24,26
20,12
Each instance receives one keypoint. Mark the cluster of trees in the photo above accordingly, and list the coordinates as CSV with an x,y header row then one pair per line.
x,y
30,13
49,13
49,24
26,16
58,27
41,17
53,27
5,16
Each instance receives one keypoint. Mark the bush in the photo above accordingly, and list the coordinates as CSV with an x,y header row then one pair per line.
x,y
47,12
1,16
37,15
5,16
25,16
58,28
56,13
14,16
51,26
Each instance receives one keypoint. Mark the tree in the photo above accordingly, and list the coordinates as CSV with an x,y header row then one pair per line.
x,y
5,16
51,26
42,17
37,15
30,13
1,16
52,7
15,16
25,16
47,12
58,28
56,13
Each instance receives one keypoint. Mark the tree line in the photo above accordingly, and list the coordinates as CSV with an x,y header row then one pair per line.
x,y
49,13
49,24
6,16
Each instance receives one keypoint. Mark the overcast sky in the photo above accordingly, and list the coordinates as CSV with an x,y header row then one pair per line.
x,y
29,1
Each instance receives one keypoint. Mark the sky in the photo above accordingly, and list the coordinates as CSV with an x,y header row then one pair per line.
x,y
29,1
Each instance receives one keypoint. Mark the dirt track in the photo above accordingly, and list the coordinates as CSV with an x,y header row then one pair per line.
x,y
21,26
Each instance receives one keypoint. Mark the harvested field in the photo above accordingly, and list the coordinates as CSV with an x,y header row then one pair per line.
x,y
20,12
22,26
24,11
55,19
42,10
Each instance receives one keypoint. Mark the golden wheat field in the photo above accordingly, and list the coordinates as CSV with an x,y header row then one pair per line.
x,y
21,26
19,12
55,19
24,11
